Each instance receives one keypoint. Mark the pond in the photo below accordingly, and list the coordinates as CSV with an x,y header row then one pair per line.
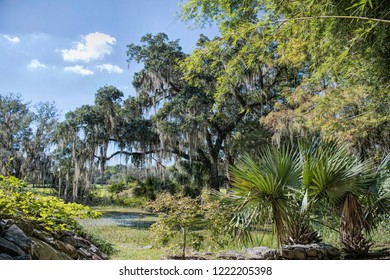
x,y
137,220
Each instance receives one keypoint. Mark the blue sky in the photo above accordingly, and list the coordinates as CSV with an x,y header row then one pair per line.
x,y
65,50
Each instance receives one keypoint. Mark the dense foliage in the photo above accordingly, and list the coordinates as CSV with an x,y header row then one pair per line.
x,y
49,212
232,115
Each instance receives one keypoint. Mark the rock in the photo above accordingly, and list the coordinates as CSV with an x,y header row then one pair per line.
x,y
262,253
43,251
43,235
273,255
82,242
69,239
99,255
2,225
25,257
147,247
299,253
43,245
230,255
84,252
332,252
311,252
4,256
288,254
15,235
67,249
10,248
26,226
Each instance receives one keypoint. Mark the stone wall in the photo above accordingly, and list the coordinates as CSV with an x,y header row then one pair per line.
x,y
24,240
294,252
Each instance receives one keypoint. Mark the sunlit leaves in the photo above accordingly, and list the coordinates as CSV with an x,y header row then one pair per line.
x,y
50,212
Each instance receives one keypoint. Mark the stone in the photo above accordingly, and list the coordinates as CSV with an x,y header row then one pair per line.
x,y
273,255
84,252
82,242
69,239
43,235
4,256
229,255
17,236
3,224
10,248
43,251
26,257
96,257
299,253
332,252
288,253
311,252
26,226
67,249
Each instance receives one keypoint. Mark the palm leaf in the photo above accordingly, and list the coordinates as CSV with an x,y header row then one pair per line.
x,y
261,188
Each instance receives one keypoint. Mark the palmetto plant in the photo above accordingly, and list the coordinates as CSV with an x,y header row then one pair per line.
x,y
285,187
262,190
332,174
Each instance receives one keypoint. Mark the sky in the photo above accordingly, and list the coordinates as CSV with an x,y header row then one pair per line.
x,y
63,51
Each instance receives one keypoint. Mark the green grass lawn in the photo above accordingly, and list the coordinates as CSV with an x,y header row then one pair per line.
x,y
132,239
131,242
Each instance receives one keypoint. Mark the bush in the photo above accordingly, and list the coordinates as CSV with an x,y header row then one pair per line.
x,y
151,186
50,212
11,183
117,187
127,199
179,217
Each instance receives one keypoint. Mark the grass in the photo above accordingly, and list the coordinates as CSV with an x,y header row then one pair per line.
x,y
41,191
130,243
124,231
132,240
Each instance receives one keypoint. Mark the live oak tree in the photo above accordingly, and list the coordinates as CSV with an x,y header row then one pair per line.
x,y
26,138
15,120
38,161
202,100
91,135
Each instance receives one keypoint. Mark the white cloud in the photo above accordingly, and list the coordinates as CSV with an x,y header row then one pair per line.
x,y
110,68
93,46
12,39
35,64
79,69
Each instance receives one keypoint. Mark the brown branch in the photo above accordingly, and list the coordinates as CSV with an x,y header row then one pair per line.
x,y
153,151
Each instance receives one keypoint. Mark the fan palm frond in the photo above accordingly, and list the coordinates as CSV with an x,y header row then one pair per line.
x,y
261,188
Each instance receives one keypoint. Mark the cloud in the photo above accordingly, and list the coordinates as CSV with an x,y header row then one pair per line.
x,y
35,64
12,39
93,46
110,68
79,69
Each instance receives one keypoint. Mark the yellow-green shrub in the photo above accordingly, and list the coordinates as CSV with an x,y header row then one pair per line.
x,y
51,212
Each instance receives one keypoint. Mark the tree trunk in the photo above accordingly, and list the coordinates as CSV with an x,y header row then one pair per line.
x,y
184,243
67,184
59,185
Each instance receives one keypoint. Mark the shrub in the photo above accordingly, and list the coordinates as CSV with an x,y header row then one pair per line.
x,y
51,212
179,216
117,187
11,183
